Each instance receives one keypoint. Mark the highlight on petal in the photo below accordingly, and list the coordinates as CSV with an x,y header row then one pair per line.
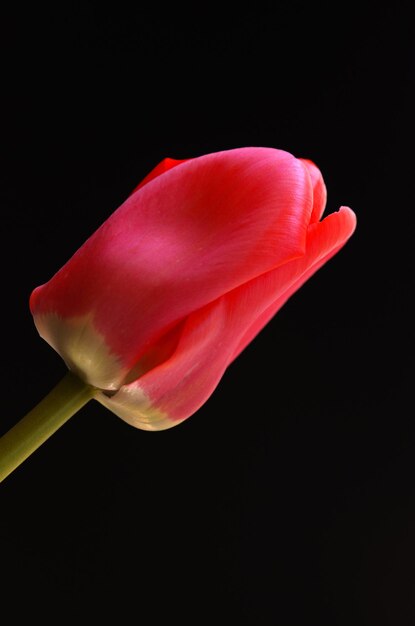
x,y
214,335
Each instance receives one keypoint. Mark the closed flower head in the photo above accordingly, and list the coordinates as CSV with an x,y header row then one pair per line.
x,y
158,302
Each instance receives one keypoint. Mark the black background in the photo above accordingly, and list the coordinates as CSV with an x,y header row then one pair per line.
x,y
289,497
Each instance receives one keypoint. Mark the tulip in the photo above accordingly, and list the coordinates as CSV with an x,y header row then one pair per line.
x,y
159,301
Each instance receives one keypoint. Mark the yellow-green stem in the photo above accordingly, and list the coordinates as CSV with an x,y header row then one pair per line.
x,y
63,401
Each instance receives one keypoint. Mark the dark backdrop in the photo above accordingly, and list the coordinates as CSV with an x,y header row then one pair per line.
x,y
289,497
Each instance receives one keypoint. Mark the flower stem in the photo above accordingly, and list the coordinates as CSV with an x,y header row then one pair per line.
x,y
63,401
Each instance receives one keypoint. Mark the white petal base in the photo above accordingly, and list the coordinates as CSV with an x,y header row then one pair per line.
x,y
86,353
134,407
83,349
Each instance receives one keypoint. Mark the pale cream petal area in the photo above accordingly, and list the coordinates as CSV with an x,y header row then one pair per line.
x,y
83,349
132,405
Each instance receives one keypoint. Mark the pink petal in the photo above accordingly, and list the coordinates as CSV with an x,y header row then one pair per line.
x,y
189,235
214,335
325,239
319,190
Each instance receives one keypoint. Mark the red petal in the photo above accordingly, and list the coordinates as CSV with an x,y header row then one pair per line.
x,y
325,239
213,336
319,190
181,241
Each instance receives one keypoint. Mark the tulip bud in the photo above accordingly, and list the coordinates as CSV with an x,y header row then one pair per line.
x,y
158,302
